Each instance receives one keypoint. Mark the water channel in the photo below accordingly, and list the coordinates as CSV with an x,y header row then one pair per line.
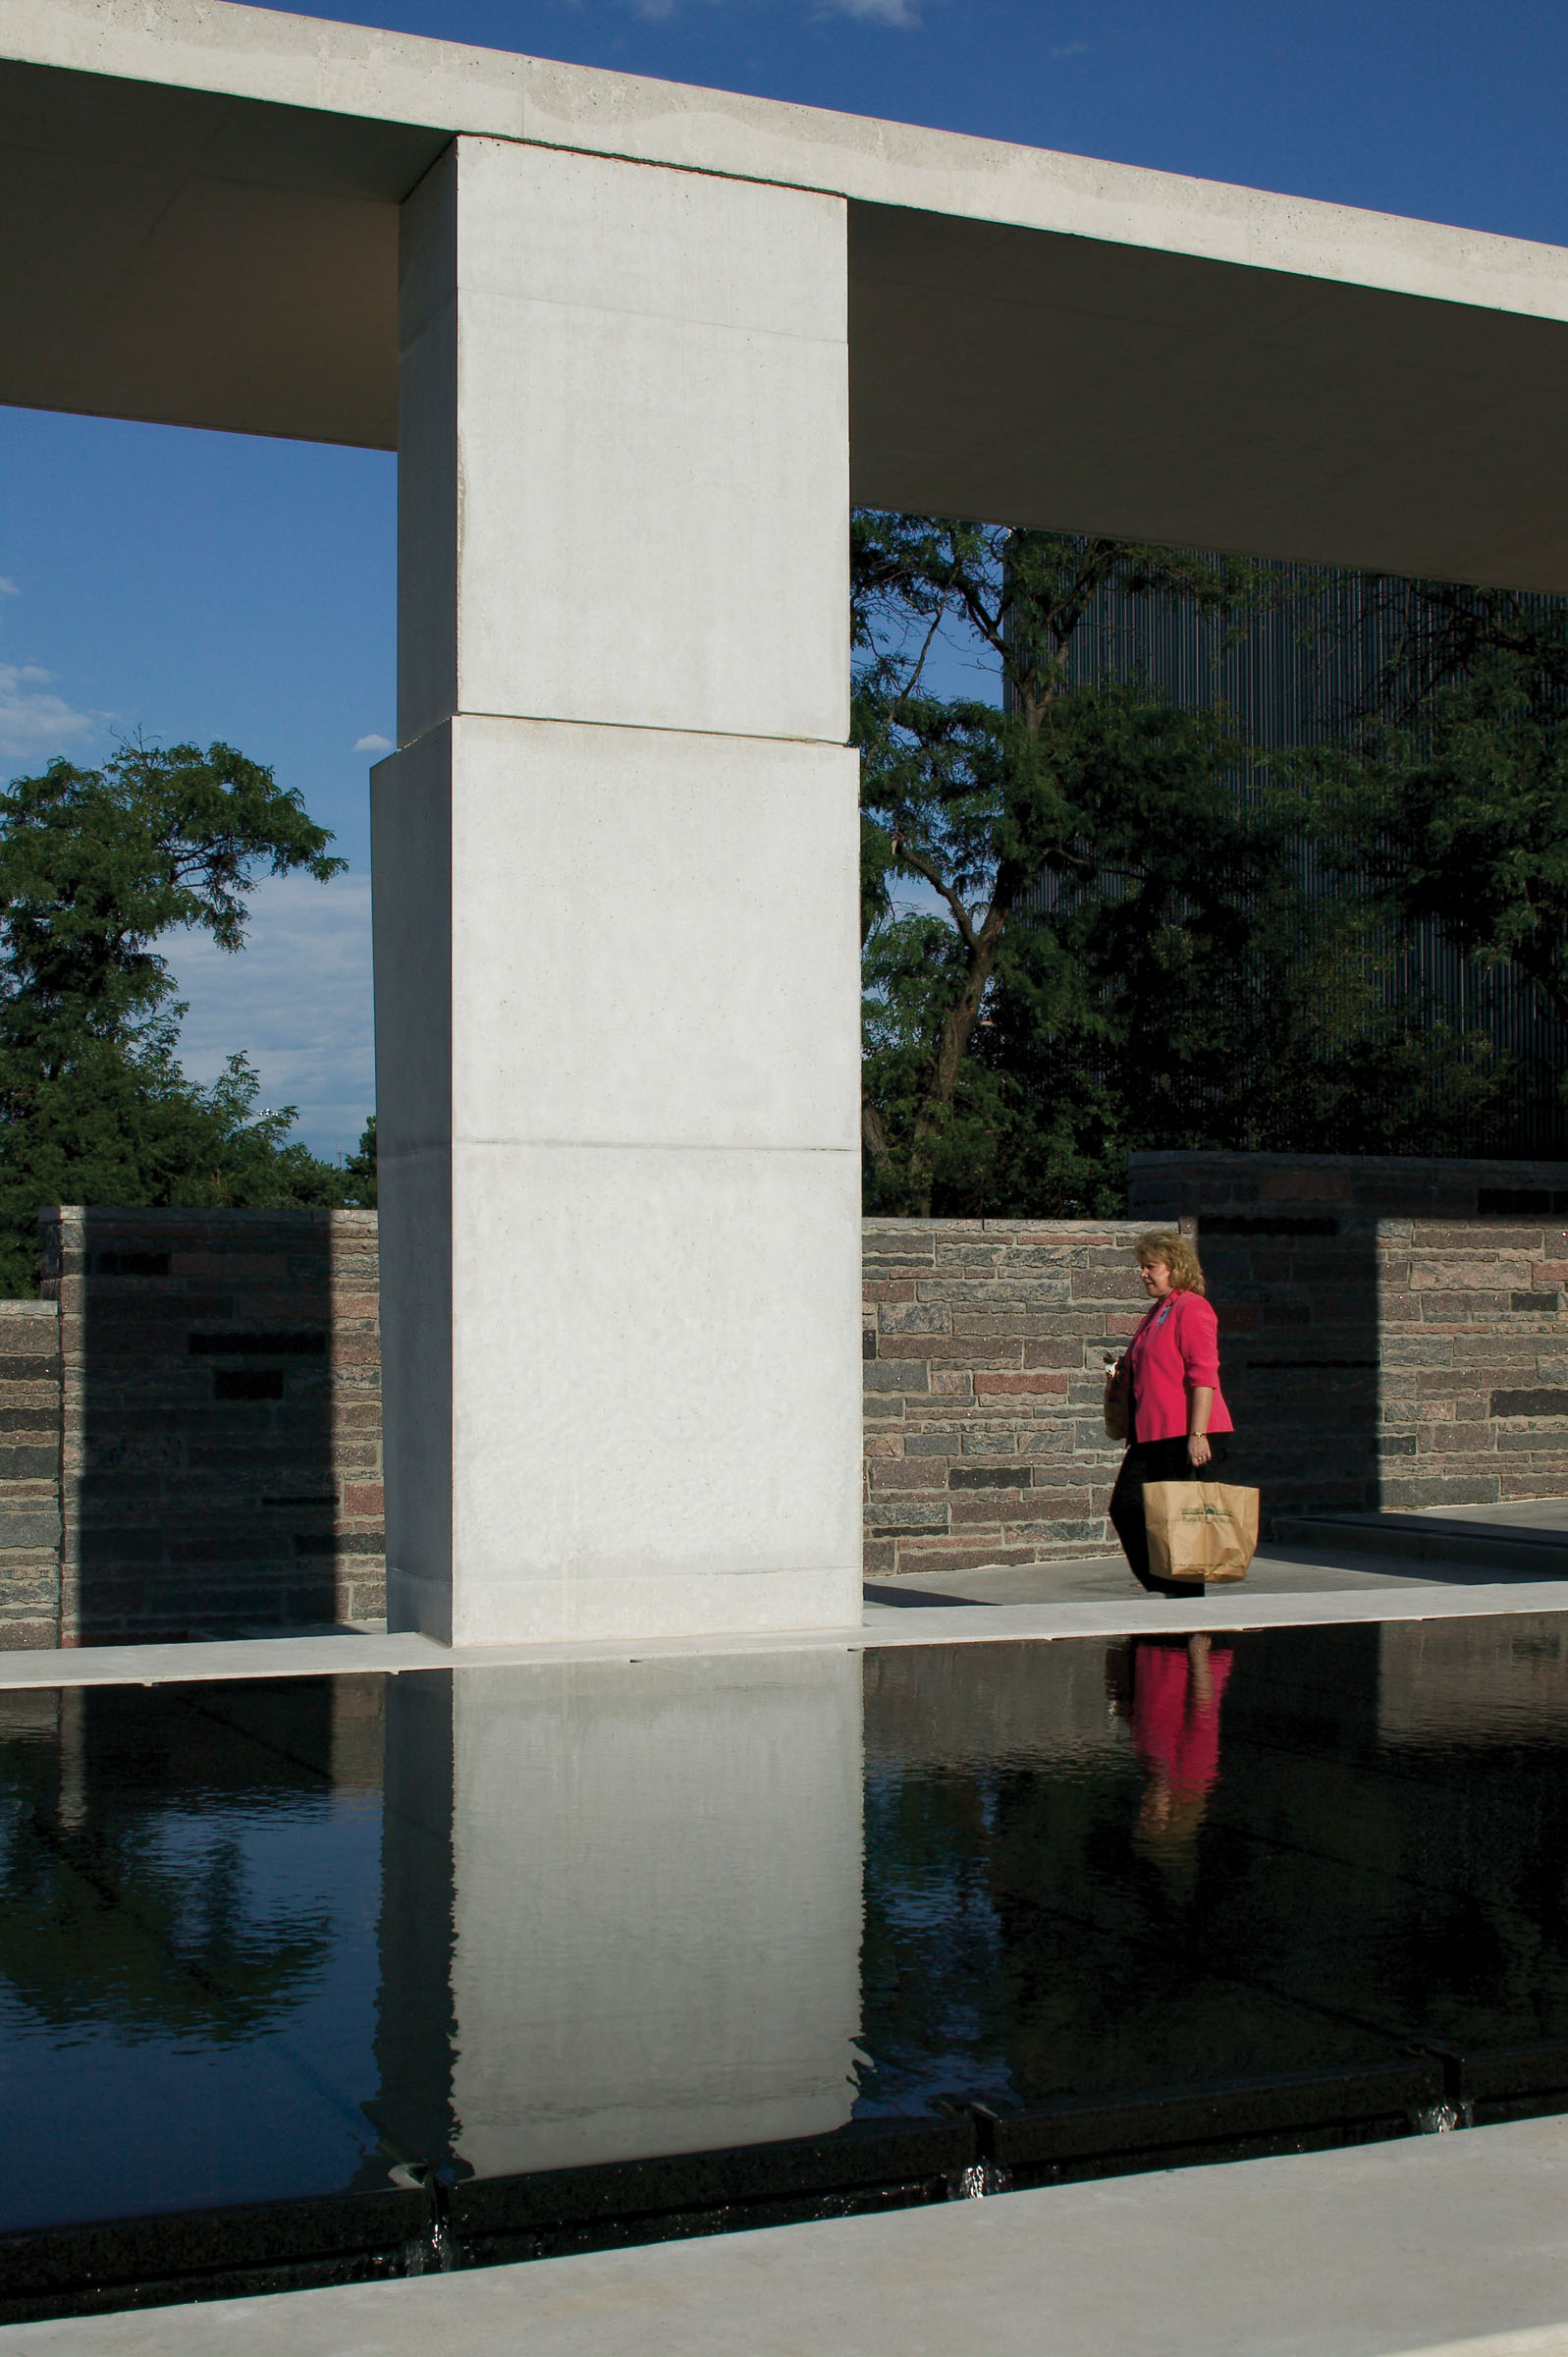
x,y
273,1942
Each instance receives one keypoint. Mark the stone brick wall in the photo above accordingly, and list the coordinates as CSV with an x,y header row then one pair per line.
x,y
985,1345
1394,1332
220,1443
30,1473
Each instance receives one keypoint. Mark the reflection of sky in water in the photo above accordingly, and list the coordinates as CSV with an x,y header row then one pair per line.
x,y
607,1910
932,1943
148,2093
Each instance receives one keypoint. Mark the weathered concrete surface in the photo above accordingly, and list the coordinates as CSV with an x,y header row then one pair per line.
x,y
648,425
617,866
200,206
1451,2246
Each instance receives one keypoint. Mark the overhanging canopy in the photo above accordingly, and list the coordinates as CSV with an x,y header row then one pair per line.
x,y
199,228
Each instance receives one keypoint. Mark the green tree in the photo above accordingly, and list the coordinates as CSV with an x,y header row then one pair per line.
x,y
1450,801
359,1169
1123,944
1095,792
95,867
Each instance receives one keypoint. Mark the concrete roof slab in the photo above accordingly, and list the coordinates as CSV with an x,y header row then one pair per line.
x,y
200,211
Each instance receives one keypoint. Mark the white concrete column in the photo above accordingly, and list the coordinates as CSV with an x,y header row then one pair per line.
x,y
616,1003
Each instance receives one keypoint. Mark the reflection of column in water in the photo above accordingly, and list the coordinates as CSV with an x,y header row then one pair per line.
x,y
412,2106
656,1906
72,1757
1491,1680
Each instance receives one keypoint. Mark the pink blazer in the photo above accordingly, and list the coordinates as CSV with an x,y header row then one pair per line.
x,y
1169,1355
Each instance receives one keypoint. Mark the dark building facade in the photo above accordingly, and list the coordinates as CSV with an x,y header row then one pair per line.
x,y
1332,649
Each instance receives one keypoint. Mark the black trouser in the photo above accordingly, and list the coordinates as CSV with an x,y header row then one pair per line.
x,y
1156,1461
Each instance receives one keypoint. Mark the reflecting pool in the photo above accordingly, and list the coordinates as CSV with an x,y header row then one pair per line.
x,y
289,1939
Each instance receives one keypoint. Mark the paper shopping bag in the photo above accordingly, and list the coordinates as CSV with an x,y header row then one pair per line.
x,y
1200,1530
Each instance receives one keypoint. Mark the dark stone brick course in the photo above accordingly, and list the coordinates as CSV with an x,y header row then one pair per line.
x,y
1538,1402
245,1373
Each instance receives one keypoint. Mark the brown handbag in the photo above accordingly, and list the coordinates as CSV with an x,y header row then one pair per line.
x,y
1118,1398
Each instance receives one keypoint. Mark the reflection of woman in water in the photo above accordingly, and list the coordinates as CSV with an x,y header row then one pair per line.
x,y
1177,1687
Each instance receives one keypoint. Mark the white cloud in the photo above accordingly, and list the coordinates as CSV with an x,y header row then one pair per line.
x,y
902,13
8,589
33,723
372,744
1069,49
297,999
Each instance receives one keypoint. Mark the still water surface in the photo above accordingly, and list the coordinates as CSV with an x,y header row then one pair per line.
x,y
272,1938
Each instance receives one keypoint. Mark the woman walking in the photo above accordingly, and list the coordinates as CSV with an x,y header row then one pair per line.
x,y
1176,1410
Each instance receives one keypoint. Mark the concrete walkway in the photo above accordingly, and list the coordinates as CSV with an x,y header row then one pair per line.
x,y
1452,2243
1289,1587
1278,1570
1047,1601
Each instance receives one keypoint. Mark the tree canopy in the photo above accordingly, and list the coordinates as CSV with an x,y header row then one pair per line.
x,y
96,867
1450,799
1095,919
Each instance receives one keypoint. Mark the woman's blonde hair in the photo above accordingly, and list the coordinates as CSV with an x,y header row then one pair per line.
x,y
1162,1243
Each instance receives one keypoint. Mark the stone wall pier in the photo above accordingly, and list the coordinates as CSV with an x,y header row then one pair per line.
x,y
217,1422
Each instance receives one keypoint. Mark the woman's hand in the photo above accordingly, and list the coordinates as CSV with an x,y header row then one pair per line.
x,y
1198,1450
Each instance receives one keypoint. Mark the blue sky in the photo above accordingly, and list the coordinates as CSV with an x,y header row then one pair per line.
x,y
200,585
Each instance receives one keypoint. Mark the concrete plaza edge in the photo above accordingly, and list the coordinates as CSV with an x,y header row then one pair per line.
x,y
1229,1610
1434,2246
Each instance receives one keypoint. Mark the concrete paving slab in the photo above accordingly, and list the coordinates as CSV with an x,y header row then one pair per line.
x,y
1532,1542
1380,1594
1449,2246
1516,1513
217,1656
1276,1570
